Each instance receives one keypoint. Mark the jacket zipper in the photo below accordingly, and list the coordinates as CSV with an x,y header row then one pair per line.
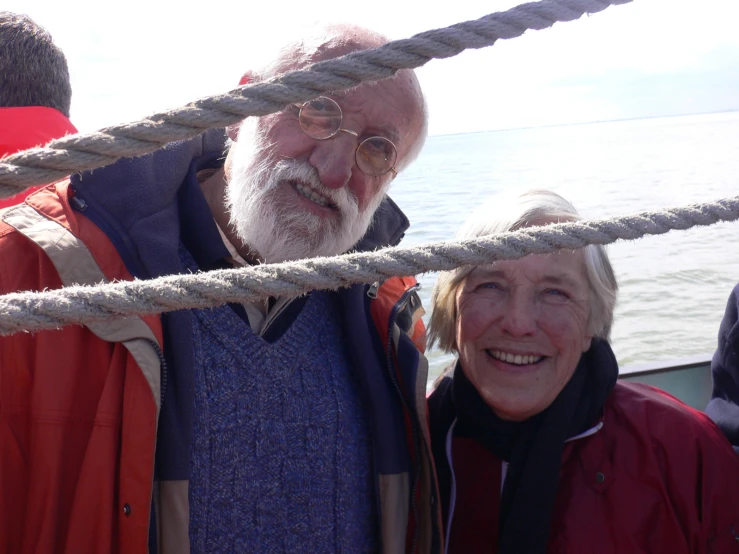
x,y
372,290
414,419
163,379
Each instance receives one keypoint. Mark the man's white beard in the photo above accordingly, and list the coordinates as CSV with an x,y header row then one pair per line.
x,y
268,217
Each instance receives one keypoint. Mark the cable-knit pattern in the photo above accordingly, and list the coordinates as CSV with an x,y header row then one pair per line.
x,y
281,458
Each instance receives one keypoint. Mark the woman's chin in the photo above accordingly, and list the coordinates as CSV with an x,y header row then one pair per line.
x,y
514,393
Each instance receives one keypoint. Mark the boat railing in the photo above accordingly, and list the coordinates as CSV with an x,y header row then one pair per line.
x,y
688,379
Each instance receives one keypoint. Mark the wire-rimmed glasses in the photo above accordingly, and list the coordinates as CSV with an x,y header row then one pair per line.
x,y
321,119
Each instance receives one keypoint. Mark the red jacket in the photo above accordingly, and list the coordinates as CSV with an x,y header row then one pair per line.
x,y
26,127
654,476
77,415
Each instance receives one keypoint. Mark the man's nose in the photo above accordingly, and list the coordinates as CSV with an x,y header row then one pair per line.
x,y
334,159
519,319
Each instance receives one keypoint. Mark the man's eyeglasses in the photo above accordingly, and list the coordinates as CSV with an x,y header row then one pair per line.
x,y
321,119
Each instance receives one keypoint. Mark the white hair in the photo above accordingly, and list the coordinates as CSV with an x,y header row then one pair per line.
x,y
275,231
500,215
329,41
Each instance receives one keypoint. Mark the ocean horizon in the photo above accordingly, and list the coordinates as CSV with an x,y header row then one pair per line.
x,y
673,287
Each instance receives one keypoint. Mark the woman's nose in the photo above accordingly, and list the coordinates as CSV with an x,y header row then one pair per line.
x,y
519,319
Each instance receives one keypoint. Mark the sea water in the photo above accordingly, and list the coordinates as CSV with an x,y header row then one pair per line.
x,y
673,287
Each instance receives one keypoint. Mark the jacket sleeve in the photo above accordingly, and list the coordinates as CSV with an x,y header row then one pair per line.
x,y
724,405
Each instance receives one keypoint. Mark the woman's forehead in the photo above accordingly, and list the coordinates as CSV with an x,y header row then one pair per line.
x,y
563,266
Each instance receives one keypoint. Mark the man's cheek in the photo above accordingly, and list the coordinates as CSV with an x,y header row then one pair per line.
x,y
287,143
366,189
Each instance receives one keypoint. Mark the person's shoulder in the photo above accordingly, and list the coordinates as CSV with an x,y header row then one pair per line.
x,y
731,314
640,401
23,266
442,387
665,419
397,298
33,229
441,408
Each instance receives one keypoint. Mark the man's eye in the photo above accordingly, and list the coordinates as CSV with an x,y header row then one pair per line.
x,y
376,145
318,105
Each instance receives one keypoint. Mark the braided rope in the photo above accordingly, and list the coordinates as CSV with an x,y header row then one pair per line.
x,y
34,311
92,150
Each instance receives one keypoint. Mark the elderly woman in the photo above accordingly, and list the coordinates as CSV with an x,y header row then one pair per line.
x,y
538,448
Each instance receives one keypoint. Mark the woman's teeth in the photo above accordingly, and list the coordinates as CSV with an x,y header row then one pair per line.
x,y
515,359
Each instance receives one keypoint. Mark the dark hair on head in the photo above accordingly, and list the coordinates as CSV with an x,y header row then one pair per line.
x,y
33,69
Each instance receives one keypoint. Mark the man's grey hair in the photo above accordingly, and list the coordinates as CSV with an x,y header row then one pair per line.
x,y
33,70
323,40
530,209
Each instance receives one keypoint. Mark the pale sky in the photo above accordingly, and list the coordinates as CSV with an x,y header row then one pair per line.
x,y
131,58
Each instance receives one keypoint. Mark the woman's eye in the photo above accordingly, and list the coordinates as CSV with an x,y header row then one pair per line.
x,y
556,294
490,286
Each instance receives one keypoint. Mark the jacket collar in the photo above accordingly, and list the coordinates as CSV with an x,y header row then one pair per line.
x,y
29,126
388,228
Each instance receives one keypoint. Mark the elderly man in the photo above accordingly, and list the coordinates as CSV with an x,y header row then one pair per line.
x,y
35,92
276,426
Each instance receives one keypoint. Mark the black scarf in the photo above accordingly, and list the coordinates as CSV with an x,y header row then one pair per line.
x,y
533,448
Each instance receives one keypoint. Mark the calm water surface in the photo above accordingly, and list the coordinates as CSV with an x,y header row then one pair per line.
x,y
674,287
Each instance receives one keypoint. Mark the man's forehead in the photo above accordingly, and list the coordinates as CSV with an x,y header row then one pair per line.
x,y
392,104
383,112
393,107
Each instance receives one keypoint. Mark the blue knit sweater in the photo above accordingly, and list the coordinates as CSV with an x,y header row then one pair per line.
x,y
281,458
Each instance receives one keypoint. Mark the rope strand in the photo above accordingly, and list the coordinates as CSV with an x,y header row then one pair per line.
x,y
35,311
92,150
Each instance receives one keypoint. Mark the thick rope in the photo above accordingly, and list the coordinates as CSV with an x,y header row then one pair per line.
x,y
34,311
79,152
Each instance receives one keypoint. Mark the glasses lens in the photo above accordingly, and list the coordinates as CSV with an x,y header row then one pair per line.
x,y
376,156
320,118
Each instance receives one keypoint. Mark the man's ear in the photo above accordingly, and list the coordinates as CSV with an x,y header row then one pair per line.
x,y
248,78
232,131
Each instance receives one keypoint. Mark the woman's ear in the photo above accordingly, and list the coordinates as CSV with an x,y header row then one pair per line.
x,y
248,78
587,341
